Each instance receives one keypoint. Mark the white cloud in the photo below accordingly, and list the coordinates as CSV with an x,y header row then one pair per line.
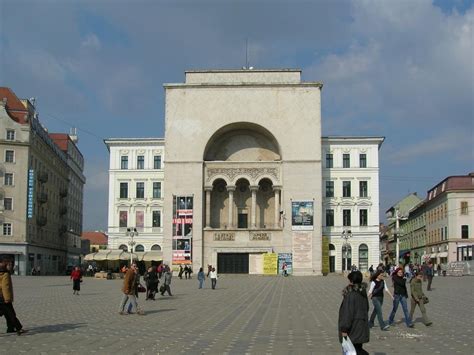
x,y
91,42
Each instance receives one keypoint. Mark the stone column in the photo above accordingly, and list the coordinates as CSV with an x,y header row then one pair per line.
x,y
253,212
208,190
230,221
277,205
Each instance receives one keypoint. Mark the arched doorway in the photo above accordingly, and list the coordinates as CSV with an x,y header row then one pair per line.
x,y
123,247
346,257
332,258
363,257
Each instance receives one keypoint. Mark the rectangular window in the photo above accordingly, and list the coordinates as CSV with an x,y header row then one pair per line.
x,y
7,229
346,189
464,231
8,179
346,161
8,203
9,156
346,218
363,189
124,162
464,207
156,215
157,190
329,218
10,135
329,188
140,190
139,219
446,232
363,160
141,162
157,162
329,161
363,216
123,219
123,190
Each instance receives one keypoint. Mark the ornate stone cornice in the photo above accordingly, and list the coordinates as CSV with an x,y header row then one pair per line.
x,y
232,173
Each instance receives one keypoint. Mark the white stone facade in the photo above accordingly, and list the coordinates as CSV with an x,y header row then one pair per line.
x,y
137,164
360,173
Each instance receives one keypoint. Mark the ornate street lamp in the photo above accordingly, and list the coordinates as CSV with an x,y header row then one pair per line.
x,y
346,234
131,232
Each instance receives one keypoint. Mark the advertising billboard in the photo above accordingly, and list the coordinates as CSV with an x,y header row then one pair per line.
x,y
302,215
182,230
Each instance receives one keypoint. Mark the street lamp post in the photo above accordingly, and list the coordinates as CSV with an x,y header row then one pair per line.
x,y
131,232
397,219
346,234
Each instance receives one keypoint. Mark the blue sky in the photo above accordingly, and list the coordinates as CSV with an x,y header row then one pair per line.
x,y
399,69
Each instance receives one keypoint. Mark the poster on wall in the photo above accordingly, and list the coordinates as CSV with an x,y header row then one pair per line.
x,y
270,264
302,250
325,255
123,219
139,219
286,258
182,230
302,213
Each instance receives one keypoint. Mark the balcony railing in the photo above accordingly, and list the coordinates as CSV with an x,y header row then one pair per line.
x,y
43,177
41,221
42,197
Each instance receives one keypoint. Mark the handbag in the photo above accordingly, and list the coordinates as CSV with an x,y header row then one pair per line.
x,y
140,288
347,347
425,299
162,288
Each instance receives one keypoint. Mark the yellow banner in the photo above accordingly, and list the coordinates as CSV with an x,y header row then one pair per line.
x,y
325,255
270,264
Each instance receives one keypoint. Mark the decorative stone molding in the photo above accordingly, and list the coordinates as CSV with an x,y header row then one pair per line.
x,y
232,173
124,151
141,151
224,236
157,151
256,236
230,188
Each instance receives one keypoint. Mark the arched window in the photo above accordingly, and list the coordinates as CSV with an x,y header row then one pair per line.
x,y
346,257
363,257
139,247
155,247
123,247
332,247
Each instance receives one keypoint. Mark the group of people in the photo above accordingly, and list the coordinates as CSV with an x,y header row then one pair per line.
x,y
132,287
354,320
187,271
211,273
410,270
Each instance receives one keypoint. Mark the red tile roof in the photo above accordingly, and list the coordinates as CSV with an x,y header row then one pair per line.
x,y
60,139
96,238
15,108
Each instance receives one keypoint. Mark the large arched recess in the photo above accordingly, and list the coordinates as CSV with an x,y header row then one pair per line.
x,y
242,141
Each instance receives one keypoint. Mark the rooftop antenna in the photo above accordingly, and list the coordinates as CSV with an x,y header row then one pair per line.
x,y
247,64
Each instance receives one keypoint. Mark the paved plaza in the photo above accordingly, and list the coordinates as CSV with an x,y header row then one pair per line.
x,y
246,314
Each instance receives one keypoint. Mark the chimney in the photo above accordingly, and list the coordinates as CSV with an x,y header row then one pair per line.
x,y
73,135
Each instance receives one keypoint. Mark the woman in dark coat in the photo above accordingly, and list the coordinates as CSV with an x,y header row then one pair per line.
x,y
354,312
151,279
400,295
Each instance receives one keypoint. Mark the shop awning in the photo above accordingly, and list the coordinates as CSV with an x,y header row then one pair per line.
x,y
101,255
444,254
138,255
432,256
89,257
153,255
118,255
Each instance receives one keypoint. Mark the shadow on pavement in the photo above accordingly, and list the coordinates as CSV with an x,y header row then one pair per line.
x,y
160,311
54,328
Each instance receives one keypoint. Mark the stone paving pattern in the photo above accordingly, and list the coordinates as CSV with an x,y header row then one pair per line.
x,y
245,314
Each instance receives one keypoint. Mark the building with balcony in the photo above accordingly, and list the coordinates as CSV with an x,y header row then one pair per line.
x,y
35,176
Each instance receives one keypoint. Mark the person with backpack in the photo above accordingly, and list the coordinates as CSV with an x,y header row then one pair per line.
x,y
376,290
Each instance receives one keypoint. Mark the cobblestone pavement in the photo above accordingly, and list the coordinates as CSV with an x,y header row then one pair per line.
x,y
245,314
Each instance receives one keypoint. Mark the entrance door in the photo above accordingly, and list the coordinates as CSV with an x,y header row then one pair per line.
x,y
332,264
233,263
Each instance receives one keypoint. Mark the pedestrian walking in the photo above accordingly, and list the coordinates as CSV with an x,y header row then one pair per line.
x,y
213,276
201,277
180,273
429,272
167,282
151,281
186,272
284,269
400,295
371,270
354,312
377,287
129,291
159,270
418,298
76,277
6,296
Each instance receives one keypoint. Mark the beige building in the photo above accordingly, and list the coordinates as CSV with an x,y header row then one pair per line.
x,y
243,170
35,177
